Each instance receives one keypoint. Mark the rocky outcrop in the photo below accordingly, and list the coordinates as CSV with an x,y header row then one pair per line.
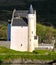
x,y
27,61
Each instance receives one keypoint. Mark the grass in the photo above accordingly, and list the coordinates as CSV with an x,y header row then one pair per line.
x,y
7,54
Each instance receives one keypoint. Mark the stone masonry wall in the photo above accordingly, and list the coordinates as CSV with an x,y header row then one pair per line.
x,y
5,44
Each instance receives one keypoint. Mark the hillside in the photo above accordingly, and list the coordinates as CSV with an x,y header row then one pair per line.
x,y
46,9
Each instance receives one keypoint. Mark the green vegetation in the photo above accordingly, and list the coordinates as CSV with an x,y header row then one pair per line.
x,y
3,32
46,34
7,54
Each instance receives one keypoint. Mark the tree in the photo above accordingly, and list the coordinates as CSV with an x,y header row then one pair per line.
x,y
45,33
49,35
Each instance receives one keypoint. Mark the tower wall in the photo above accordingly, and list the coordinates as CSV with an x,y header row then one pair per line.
x,y
35,22
36,42
31,32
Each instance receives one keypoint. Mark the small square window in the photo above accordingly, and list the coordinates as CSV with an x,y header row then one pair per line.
x,y
35,37
32,32
21,44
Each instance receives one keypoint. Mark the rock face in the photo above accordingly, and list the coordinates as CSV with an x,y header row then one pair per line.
x,y
54,63
27,61
5,44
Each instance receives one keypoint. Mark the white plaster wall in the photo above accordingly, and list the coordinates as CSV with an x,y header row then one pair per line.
x,y
19,35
